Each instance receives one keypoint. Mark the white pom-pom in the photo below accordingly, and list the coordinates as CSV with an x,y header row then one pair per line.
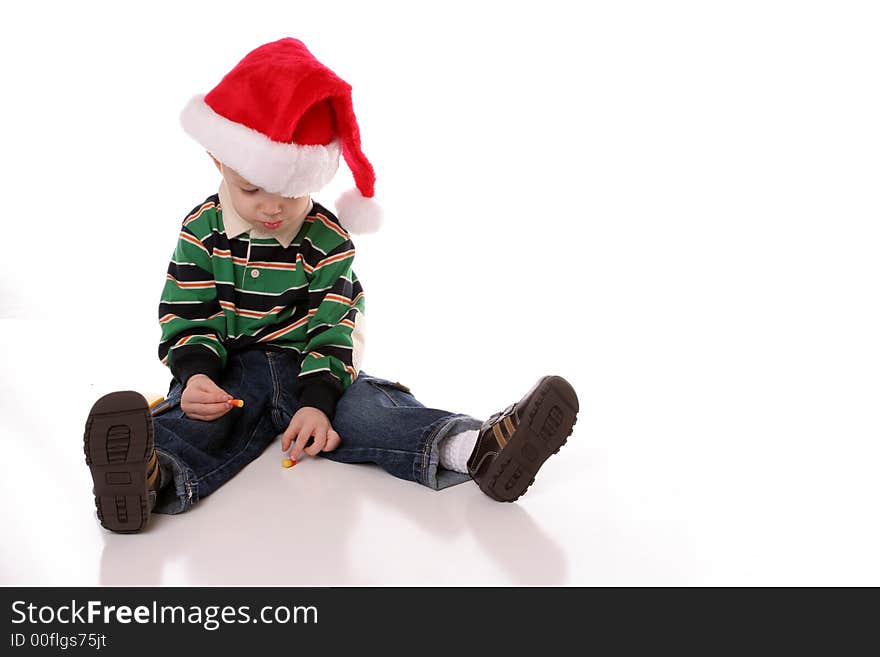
x,y
358,214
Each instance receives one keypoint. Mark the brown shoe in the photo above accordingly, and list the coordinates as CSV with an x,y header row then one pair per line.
x,y
513,444
119,453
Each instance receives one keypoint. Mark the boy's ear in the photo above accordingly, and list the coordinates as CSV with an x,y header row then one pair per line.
x,y
216,162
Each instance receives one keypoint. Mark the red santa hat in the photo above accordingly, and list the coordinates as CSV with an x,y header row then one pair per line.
x,y
280,119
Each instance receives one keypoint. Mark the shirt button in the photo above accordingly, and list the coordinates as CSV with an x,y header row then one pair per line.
x,y
255,273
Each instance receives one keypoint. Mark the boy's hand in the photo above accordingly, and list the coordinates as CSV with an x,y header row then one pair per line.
x,y
203,399
309,421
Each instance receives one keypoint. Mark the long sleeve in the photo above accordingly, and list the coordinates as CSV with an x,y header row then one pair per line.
x,y
193,326
332,355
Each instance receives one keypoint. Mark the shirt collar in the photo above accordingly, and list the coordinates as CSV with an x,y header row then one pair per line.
x,y
235,225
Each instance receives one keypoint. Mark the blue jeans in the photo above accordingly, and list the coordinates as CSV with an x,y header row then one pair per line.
x,y
377,420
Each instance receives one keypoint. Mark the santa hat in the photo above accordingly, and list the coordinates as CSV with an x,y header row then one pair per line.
x,y
280,119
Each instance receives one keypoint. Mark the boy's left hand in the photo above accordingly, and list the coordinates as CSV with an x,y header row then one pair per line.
x,y
307,422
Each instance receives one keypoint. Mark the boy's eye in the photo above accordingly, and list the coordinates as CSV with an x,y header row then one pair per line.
x,y
249,191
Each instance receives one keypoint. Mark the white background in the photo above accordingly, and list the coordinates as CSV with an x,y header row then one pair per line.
x,y
673,205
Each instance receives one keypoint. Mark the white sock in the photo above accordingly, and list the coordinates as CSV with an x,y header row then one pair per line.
x,y
455,450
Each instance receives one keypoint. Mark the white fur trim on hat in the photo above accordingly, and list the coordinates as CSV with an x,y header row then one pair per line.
x,y
290,170
358,214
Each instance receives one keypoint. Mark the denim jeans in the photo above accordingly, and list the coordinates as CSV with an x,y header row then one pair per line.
x,y
377,420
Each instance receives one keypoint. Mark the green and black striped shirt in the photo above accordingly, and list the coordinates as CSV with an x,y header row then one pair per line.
x,y
226,294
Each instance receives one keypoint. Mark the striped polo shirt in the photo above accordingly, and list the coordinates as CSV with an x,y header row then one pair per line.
x,y
230,287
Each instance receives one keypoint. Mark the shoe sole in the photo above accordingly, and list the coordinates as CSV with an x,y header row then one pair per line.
x,y
117,444
545,425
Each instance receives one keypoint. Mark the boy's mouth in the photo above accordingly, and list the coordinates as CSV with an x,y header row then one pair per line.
x,y
271,225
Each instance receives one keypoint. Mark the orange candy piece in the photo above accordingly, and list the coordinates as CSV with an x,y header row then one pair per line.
x,y
237,402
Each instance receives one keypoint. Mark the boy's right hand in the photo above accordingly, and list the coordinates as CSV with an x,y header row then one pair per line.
x,y
203,399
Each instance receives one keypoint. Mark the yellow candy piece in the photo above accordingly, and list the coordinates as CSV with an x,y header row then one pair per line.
x,y
288,463
153,400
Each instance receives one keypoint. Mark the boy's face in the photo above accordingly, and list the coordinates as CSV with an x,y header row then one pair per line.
x,y
259,208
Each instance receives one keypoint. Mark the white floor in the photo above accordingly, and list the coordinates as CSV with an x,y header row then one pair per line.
x,y
610,508
319,523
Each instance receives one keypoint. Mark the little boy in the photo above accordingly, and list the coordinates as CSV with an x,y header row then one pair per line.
x,y
262,323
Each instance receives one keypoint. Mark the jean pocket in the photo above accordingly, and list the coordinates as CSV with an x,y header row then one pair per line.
x,y
399,394
397,385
